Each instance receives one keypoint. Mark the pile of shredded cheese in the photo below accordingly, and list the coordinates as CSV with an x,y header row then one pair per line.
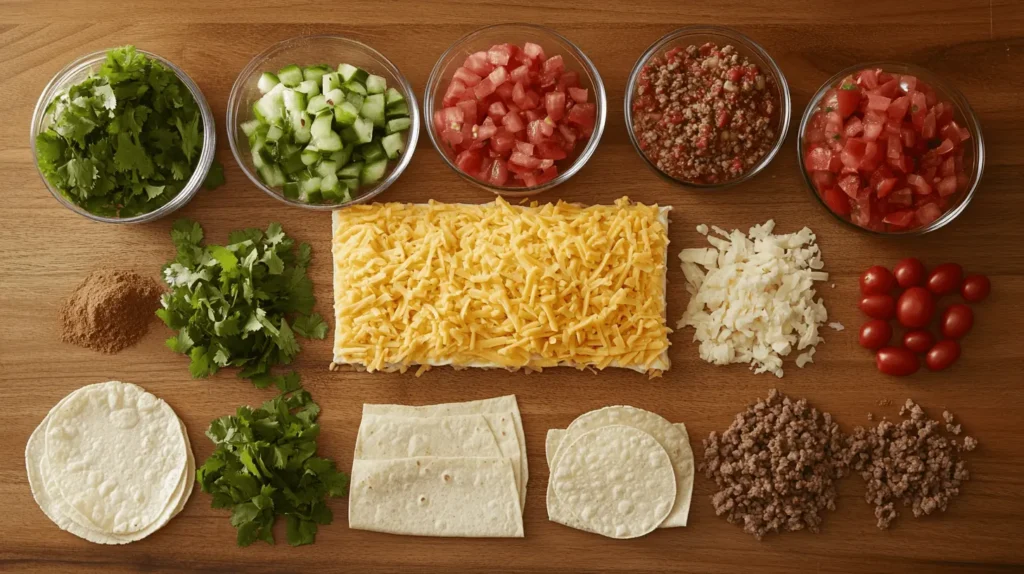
x,y
498,285
752,299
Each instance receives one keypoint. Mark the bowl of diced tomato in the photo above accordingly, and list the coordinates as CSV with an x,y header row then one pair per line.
x,y
515,108
891,149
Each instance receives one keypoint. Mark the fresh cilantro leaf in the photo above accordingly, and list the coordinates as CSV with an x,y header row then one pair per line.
x,y
264,465
310,326
215,178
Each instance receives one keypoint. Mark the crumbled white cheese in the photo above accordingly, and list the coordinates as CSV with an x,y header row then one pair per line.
x,y
753,298
702,229
837,326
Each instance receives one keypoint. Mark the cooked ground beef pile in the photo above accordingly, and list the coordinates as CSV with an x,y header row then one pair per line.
x,y
776,465
910,461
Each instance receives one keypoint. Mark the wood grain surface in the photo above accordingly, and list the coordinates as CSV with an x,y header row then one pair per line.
x,y
45,250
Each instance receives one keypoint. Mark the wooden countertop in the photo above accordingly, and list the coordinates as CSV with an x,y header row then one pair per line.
x,y
976,45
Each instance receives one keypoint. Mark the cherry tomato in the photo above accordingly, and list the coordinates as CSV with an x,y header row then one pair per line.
x,y
918,341
897,361
976,288
878,306
877,280
942,355
945,278
957,321
875,334
909,273
915,308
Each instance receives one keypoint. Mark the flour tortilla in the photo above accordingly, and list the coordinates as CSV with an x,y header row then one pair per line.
x,y
672,438
45,493
505,404
616,480
430,496
490,435
115,454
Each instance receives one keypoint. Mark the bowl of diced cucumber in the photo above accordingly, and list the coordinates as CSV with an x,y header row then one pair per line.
x,y
322,121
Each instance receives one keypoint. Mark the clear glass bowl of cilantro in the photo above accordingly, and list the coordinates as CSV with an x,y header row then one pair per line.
x,y
123,136
278,106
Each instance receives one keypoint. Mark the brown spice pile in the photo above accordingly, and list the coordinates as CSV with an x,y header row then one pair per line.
x,y
776,465
910,462
109,311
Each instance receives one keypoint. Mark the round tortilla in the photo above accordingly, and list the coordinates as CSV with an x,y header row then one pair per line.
x,y
671,437
617,481
115,456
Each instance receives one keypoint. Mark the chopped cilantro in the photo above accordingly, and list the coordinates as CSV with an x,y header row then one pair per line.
x,y
265,465
231,305
848,86
125,140
215,178
914,108
829,109
836,137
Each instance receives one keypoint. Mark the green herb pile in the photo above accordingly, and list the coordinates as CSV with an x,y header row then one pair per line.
x,y
231,304
125,140
265,465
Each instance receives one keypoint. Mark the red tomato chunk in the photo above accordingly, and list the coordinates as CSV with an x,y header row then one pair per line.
x,y
510,113
885,152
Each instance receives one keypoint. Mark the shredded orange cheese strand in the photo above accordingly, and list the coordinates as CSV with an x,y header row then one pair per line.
x,y
498,285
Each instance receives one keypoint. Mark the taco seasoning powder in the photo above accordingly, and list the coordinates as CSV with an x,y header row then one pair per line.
x,y
109,311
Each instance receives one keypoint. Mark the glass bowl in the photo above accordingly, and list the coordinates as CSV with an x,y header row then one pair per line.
x,y
974,149
697,36
76,72
308,51
553,43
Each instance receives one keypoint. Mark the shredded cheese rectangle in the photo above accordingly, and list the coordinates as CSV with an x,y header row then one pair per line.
x,y
501,286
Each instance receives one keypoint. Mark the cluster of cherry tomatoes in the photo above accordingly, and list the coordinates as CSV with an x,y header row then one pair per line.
x,y
914,309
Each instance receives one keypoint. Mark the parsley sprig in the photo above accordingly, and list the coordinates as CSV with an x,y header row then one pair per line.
x,y
231,305
265,465
123,141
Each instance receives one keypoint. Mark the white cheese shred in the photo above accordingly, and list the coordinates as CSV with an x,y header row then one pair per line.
x,y
753,297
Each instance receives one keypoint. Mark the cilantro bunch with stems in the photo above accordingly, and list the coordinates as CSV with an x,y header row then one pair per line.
x,y
231,304
125,140
265,465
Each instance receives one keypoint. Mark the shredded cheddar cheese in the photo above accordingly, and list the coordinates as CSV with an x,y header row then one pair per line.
x,y
498,285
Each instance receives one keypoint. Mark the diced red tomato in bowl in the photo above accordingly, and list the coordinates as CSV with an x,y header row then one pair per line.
x,y
885,151
513,116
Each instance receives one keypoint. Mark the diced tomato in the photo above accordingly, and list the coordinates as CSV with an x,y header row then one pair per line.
x,y
533,51
551,150
898,108
503,141
945,147
498,76
513,122
478,64
452,136
519,96
873,125
554,104
499,173
524,147
468,161
468,111
568,79
553,65
902,218
578,95
496,111
486,130
889,89
584,116
534,115
837,201
484,88
850,184
500,54
908,83
847,99
504,92
895,148
454,92
818,159
467,77
853,153
928,213
520,75
547,174
918,109
928,126
947,186
868,79
919,184
854,127
878,103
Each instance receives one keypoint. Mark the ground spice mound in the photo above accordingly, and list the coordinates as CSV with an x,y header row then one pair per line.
x,y
776,465
910,461
110,310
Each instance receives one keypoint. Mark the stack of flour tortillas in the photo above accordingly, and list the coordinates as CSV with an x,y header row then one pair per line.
x,y
456,469
110,463
620,472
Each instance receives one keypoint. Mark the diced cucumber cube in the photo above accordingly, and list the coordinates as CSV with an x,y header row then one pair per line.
x,y
301,124
350,73
293,164
294,101
290,75
327,167
309,185
373,172
274,133
334,97
372,151
376,84
310,155
321,126
312,196
331,188
342,157
249,128
345,113
291,190
329,81
267,82
272,175
270,107
399,110
393,144
393,97
373,109
351,171
396,125
329,143
352,183
257,160
308,87
354,87
355,99
315,73
316,103
359,132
